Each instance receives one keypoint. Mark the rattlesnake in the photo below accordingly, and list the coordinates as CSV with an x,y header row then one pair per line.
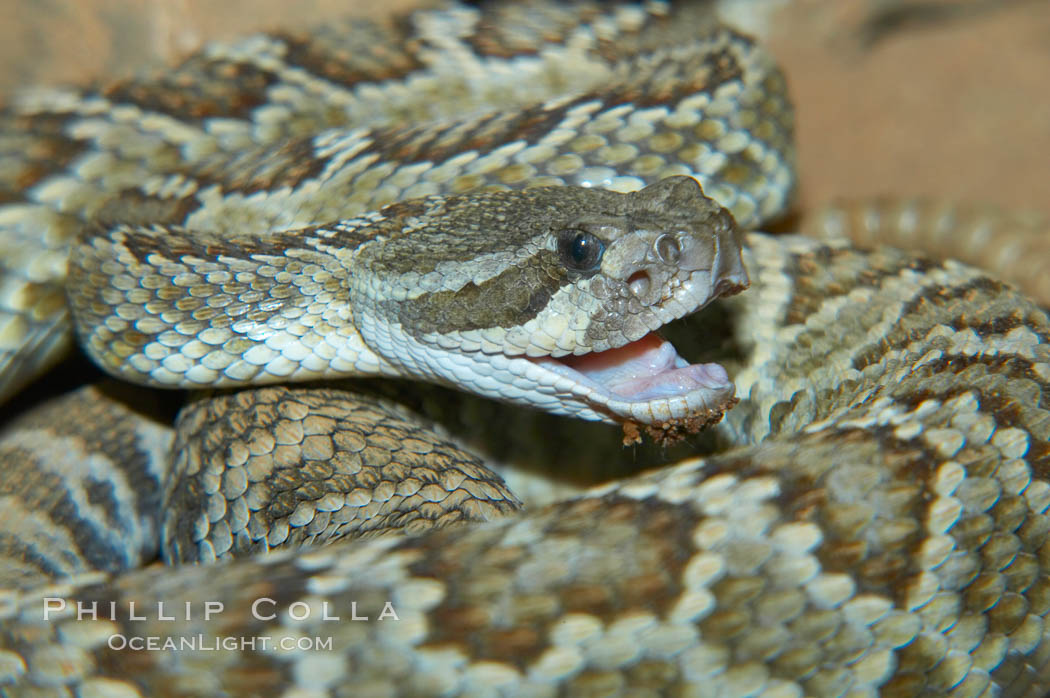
x,y
873,519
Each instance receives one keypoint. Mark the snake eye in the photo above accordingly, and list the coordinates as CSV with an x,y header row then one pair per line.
x,y
580,250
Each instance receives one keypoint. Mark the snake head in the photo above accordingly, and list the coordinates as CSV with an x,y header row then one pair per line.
x,y
551,297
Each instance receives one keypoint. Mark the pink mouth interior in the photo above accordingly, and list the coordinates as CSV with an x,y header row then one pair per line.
x,y
647,369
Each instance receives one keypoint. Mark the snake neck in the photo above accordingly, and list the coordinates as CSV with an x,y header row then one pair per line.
x,y
168,307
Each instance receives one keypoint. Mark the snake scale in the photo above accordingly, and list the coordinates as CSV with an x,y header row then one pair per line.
x,y
868,517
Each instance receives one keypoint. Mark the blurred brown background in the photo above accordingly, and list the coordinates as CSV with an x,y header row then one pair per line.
x,y
941,97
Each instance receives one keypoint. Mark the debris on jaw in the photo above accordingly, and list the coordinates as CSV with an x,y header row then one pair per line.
x,y
674,430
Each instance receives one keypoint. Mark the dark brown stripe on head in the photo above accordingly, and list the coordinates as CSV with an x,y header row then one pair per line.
x,y
511,298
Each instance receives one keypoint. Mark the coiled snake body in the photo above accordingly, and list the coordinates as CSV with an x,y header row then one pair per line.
x,y
872,518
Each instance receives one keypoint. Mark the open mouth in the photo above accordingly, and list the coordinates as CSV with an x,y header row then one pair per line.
x,y
646,383
646,369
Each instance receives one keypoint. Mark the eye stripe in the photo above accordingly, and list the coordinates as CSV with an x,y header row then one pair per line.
x,y
511,298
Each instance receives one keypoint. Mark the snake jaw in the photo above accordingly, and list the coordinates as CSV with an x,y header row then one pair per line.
x,y
647,382
643,382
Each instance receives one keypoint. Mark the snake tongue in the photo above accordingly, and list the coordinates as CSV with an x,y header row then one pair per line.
x,y
647,369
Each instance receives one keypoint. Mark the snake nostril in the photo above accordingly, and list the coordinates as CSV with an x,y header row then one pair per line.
x,y
639,283
667,249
